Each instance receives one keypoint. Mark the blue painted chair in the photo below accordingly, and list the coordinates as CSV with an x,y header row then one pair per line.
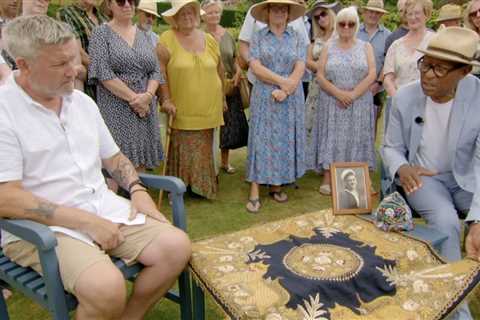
x,y
48,291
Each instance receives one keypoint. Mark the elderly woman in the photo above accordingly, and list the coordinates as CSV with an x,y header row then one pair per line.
x,y
471,21
194,96
323,26
82,16
234,134
125,70
346,69
401,61
276,142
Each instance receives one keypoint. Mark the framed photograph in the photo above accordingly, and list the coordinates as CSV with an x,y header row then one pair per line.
x,y
351,188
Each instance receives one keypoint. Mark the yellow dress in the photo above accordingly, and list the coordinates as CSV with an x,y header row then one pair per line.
x,y
195,87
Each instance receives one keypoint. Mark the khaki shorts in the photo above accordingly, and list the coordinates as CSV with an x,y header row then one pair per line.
x,y
75,256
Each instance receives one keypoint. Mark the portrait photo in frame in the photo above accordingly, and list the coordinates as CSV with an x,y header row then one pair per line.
x,y
351,188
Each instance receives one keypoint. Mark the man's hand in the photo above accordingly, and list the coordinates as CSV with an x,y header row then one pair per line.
x,y
410,177
472,242
143,203
104,232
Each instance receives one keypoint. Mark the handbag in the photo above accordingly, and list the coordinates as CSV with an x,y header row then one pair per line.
x,y
229,87
244,87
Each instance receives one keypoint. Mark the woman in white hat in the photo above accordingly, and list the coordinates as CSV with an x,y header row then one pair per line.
x,y
323,26
194,96
83,16
276,142
125,69
234,134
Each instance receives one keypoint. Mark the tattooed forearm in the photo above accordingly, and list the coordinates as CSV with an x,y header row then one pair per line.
x,y
124,172
44,208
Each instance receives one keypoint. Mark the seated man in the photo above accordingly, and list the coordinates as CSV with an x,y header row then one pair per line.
x,y
53,142
432,143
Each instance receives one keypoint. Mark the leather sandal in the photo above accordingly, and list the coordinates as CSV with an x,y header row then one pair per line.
x,y
253,205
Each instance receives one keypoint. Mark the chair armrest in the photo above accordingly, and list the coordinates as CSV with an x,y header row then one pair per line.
x,y
36,233
167,183
177,188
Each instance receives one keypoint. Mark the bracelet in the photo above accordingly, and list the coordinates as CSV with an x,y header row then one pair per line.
x,y
136,190
134,183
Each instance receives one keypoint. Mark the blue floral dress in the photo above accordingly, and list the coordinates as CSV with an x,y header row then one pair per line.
x,y
276,143
346,135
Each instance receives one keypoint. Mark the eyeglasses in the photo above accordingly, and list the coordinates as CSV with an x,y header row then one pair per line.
x,y
474,14
122,3
439,70
344,24
322,14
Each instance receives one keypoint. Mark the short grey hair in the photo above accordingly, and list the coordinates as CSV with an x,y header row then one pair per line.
x,y
349,14
25,36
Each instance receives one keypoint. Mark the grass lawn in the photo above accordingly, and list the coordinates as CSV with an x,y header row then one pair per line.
x,y
226,214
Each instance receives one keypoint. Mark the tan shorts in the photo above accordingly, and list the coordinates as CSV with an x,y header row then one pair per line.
x,y
75,256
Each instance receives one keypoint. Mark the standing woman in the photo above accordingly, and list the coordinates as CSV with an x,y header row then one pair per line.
x,y
276,143
323,27
125,70
194,96
83,16
346,69
234,134
472,21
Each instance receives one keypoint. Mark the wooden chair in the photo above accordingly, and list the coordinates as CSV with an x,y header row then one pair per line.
x,y
48,291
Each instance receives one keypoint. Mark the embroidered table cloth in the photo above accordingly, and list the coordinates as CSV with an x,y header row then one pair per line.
x,y
318,266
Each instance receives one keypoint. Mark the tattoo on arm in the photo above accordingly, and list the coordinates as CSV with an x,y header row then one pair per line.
x,y
124,172
45,209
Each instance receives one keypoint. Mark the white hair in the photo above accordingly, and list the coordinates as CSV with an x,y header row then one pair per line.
x,y
25,36
348,14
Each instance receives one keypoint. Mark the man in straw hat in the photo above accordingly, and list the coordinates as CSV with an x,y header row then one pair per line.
x,y
251,25
432,142
147,14
450,15
376,34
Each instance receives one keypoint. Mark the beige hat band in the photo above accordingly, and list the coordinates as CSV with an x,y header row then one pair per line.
x,y
444,51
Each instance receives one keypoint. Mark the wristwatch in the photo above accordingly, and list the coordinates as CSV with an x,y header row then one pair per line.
x,y
380,82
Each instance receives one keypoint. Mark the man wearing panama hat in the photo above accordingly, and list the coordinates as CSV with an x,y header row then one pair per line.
x,y
147,14
376,34
450,15
432,143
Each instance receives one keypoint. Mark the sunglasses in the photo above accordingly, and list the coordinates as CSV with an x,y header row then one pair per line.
x,y
322,14
474,13
349,24
439,70
122,3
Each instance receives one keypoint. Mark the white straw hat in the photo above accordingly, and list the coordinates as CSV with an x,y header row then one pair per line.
x,y
148,6
169,15
260,10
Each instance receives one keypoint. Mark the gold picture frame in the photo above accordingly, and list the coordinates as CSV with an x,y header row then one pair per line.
x,y
351,188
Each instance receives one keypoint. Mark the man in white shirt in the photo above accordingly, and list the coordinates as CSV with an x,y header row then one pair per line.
x,y
53,142
432,143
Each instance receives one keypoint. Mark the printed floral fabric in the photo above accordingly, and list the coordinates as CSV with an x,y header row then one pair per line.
x,y
276,142
318,266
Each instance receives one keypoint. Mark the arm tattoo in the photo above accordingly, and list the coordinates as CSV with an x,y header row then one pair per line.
x,y
45,209
124,172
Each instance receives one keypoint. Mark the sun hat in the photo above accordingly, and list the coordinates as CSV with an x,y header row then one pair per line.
x,y
454,44
335,6
449,12
148,6
260,10
169,14
375,5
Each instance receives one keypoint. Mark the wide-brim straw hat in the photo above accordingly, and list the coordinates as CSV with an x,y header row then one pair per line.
x,y
449,12
169,14
454,44
260,10
375,5
335,6
148,6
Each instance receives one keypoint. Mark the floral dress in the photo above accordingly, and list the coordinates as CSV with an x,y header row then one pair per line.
x,y
276,143
346,135
311,114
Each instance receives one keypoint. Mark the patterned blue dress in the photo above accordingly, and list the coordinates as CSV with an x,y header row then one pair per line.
x,y
276,143
346,134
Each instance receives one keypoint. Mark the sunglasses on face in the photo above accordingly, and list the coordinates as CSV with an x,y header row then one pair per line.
x,y
349,24
474,13
122,3
322,14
